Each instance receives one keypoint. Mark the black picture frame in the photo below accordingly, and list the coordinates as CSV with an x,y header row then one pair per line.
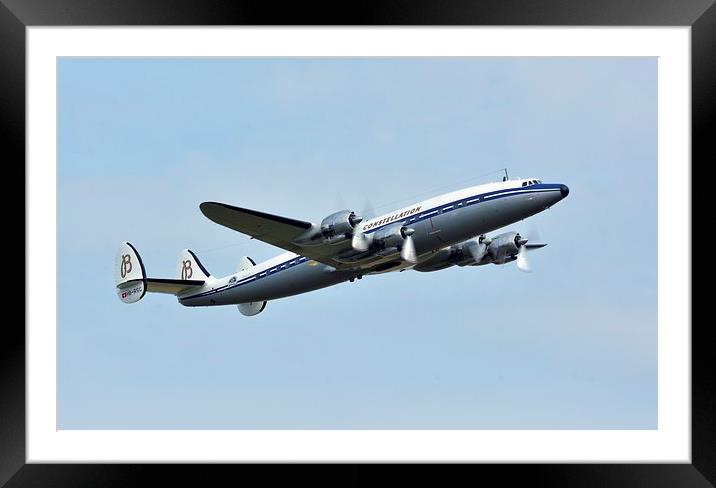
x,y
16,15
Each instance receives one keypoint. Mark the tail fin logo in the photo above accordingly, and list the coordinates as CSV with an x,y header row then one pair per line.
x,y
186,271
126,266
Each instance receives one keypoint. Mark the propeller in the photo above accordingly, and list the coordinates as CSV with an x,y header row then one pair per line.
x,y
522,262
407,253
478,247
368,209
361,241
534,232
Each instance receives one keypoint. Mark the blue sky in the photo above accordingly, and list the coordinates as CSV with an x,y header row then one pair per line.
x,y
572,345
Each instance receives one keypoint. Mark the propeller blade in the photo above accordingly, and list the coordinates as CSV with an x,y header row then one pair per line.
x,y
408,252
522,263
338,200
477,250
368,210
360,241
534,232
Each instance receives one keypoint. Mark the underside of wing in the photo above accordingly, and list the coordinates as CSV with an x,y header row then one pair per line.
x,y
173,287
298,236
274,229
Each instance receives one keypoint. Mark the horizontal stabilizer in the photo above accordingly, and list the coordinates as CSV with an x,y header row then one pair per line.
x,y
173,287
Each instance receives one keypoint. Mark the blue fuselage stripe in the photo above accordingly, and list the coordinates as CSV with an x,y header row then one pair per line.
x,y
468,201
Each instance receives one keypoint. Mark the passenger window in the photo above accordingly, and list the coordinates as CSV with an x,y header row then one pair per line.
x,y
524,183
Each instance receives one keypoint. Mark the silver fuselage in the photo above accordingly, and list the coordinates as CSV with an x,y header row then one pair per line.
x,y
441,221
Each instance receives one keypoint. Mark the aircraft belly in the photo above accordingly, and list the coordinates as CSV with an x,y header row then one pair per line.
x,y
301,279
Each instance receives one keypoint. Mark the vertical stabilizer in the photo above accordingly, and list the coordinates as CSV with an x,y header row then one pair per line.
x,y
190,268
129,274
245,262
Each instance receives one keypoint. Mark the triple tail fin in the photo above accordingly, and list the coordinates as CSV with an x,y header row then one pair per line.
x,y
132,282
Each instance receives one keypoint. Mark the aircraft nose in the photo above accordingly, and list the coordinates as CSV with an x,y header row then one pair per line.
x,y
564,190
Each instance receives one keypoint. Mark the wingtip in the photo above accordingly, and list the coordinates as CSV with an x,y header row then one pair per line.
x,y
206,207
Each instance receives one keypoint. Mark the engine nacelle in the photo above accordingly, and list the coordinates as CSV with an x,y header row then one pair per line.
x,y
392,236
472,252
478,251
339,224
505,247
462,254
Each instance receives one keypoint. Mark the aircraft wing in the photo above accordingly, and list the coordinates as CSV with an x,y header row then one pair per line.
x,y
273,229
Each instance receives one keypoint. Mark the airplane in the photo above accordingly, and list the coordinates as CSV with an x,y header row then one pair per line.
x,y
435,234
